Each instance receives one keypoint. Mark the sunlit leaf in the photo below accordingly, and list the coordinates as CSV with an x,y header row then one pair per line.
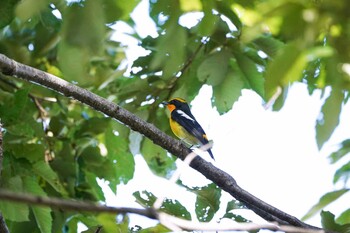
x,y
344,217
324,201
329,118
29,8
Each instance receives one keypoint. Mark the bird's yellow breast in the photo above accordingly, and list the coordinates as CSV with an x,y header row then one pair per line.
x,y
181,133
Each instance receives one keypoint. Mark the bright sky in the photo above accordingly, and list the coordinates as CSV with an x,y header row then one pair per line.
x,y
273,155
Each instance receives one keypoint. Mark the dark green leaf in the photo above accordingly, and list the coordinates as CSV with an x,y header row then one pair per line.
x,y
144,198
208,202
43,170
214,68
158,160
7,11
172,207
14,211
252,76
42,214
32,152
328,223
323,202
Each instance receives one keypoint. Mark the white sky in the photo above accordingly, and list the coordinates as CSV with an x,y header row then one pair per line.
x,y
273,155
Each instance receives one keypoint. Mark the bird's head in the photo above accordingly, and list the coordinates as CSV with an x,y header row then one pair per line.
x,y
175,103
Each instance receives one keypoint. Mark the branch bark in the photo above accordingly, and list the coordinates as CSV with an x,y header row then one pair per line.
x,y
3,226
175,147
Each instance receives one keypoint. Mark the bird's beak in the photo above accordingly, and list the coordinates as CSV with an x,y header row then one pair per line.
x,y
165,103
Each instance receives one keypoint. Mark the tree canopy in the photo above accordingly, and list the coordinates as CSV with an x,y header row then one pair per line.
x,y
55,146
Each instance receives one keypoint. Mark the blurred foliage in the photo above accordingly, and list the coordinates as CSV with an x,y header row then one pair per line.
x,y
54,146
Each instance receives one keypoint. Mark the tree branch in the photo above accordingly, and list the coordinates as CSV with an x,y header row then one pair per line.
x,y
175,147
166,219
73,205
3,226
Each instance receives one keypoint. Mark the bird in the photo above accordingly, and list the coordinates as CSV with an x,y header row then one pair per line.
x,y
184,125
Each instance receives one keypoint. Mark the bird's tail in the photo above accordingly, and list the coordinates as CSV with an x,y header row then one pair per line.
x,y
211,154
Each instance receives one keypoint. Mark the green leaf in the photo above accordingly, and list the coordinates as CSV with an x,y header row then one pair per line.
x,y
342,173
225,8
43,170
108,222
29,8
252,76
169,206
159,228
235,217
169,59
207,202
119,154
7,11
32,152
118,10
344,217
323,202
269,45
42,214
329,119
228,92
14,211
328,223
93,126
174,207
343,150
158,160
214,68
234,205
209,21
144,198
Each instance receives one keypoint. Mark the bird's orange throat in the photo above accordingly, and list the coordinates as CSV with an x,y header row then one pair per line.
x,y
171,107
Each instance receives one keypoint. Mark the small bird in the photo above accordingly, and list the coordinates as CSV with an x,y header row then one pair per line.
x,y
184,125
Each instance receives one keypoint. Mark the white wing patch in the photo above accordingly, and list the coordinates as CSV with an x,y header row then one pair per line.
x,y
182,113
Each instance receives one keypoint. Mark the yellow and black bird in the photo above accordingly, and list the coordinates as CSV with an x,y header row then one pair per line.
x,y
184,125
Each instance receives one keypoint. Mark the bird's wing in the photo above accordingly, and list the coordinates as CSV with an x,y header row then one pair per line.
x,y
190,124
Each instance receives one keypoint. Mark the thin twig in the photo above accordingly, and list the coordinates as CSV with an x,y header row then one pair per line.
x,y
62,204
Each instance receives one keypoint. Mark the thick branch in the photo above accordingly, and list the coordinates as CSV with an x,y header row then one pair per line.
x,y
221,178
